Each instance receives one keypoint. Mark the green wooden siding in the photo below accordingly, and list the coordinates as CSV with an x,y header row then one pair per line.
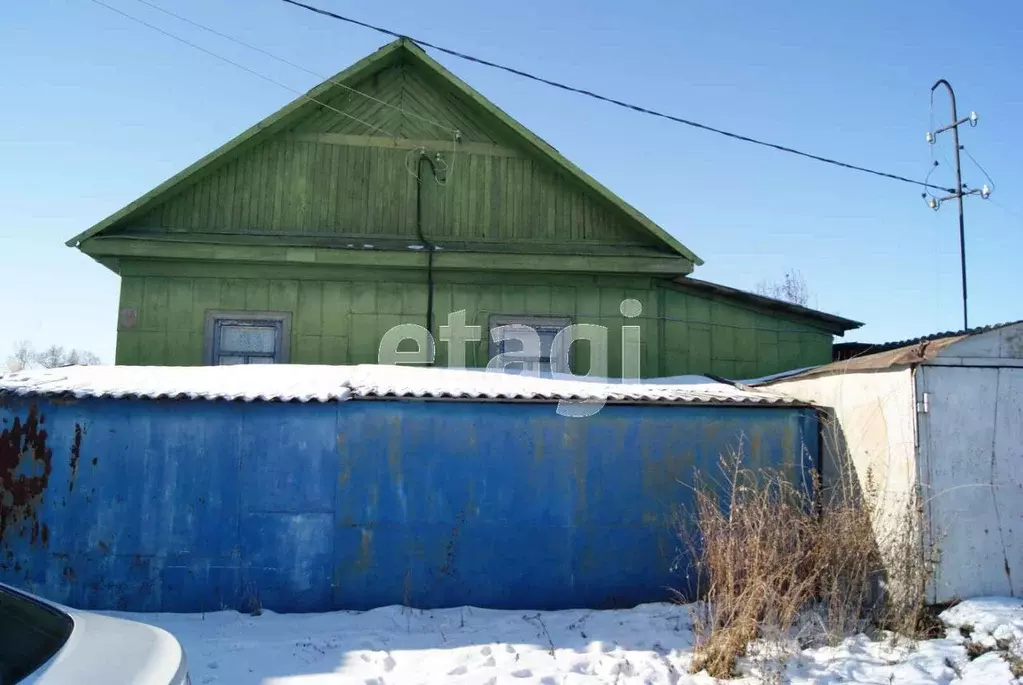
x,y
296,187
735,342
331,175
401,102
341,321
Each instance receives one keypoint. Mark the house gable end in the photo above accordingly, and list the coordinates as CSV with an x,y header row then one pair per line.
x,y
345,167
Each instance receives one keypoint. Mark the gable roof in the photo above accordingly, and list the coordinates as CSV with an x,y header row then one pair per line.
x,y
405,50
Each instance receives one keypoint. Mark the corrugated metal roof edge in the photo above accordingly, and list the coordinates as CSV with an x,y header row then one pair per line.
x,y
657,395
875,348
433,396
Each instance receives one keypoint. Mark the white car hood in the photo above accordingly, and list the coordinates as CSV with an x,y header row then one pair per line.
x,y
109,650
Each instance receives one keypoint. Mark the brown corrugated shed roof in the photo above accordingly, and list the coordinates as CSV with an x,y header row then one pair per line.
x,y
887,355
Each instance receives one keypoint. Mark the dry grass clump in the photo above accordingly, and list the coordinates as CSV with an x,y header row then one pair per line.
x,y
783,559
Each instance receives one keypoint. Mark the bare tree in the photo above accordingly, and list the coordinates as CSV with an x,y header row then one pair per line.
x,y
791,288
21,357
24,357
51,357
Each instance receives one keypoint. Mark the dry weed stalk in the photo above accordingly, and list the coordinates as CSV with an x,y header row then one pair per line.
x,y
795,563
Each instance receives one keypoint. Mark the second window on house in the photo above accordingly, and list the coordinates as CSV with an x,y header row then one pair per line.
x,y
247,337
508,339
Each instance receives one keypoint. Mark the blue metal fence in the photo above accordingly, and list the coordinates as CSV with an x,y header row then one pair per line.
x,y
150,505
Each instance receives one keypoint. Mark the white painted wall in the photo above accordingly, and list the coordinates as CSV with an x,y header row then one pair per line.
x,y
871,430
972,459
871,425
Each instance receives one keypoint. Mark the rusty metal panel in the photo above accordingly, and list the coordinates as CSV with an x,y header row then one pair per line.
x,y
191,505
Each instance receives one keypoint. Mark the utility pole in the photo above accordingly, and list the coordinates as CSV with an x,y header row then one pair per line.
x,y
958,195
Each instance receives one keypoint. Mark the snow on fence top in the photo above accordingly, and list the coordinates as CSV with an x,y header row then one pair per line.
x,y
291,383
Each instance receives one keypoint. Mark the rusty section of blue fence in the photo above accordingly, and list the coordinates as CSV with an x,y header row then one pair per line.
x,y
148,505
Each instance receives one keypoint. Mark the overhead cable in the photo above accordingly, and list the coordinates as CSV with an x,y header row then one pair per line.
x,y
241,66
613,101
282,60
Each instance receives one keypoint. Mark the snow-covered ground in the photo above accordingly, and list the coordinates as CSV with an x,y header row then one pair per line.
x,y
648,644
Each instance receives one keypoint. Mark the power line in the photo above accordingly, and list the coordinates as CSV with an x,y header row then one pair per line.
x,y
613,101
328,79
240,66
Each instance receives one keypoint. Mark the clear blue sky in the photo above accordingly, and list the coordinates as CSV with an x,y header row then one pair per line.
x,y
96,110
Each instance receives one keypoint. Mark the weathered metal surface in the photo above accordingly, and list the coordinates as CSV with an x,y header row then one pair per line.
x,y
187,506
972,467
25,466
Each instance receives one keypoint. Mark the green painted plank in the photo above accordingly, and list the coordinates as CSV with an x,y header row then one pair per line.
x,y
676,363
152,348
699,349
587,302
364,339
465,297
538,300
132,297
481,182
205,295
303,186
443,304
127,349
229,195
307,349
241,221
498,224
333,350
356,204
180,305
563,301
675,334
747,368
413,299
309,314
333,188
215,200
283,296
698,310
196,349
337,305
264,188
513,300
178,351
257,295
389,298
318,175
153,316
232,294
726,368
364,299
281,150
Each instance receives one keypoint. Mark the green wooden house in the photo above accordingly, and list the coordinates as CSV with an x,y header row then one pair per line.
x,y
395,193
